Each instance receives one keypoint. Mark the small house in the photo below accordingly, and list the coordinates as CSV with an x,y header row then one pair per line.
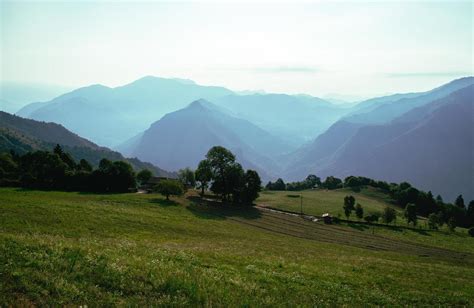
x,y
327,218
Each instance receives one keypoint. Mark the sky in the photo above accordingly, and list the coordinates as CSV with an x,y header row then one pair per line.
x,y
350,49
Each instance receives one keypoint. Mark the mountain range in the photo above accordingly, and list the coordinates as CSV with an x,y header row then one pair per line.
x,y
173,122
182,138
430,146
109,116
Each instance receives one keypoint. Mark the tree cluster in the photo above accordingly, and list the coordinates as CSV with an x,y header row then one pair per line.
x,y
58,170
421,203
227,178
311,181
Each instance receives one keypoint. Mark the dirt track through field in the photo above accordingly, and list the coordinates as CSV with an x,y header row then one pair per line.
x,y
293,225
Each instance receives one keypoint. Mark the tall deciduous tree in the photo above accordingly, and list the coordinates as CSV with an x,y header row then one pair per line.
x,y
203,174
410,213
348,206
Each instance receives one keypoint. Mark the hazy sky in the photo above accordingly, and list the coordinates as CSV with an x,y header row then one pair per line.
x,y
351,48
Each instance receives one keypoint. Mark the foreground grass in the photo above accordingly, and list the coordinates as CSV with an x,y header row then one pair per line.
x,y
69,248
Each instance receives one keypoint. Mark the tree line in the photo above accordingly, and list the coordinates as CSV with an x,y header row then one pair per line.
x,y
59,171
221,174
412,200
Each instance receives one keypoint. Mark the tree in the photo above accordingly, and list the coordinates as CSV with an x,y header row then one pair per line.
x,y
332,183
235,182
84,165
313,181
169,187
460,202
117,176
389,214
348,207
278,185
186,177
433,221
439,199
252,186
452,224
410,213
373,217
359,211
144,176
65,157
220,161
203,174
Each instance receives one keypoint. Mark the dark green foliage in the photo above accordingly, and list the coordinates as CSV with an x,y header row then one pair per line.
x,y
348,206
84,166
410,213
58,170
144,176
452,224
169,187
471,231
389,215
356,182
278,185
186,177
332,183
229,180
113,177
433,221
373,217
460,202
359,211
203,175
311,181
252,186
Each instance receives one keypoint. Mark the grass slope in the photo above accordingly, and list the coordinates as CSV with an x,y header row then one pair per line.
x,y
318,202
61,248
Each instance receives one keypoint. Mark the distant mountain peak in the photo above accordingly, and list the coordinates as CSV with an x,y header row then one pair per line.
x,y
200,103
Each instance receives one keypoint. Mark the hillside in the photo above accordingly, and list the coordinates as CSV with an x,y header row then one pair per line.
x,y
109,116
182,138
435,137
136,249
383,110
23,135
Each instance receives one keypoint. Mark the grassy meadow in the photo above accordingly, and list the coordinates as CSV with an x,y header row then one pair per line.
x,y
59,248
320,201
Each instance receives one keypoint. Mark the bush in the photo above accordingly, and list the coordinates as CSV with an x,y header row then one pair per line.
x,y
169,187
471,231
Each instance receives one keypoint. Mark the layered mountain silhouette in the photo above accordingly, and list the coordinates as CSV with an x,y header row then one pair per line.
x,y
430,146
109,116
424,138
295,118
182,138
22,135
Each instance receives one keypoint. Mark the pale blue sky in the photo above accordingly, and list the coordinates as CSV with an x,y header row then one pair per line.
x,y
352,48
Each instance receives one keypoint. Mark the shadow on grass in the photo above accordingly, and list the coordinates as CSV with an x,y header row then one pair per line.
x,y
214,209
163,202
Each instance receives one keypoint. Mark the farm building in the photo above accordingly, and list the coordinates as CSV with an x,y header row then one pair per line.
x,y
327,218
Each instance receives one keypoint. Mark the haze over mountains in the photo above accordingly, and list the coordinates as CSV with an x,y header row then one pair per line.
x,y
173,122
182,138
430,146
117,114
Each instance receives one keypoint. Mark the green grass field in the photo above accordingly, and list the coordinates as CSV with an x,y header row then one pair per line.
x,y
318,202
61,248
